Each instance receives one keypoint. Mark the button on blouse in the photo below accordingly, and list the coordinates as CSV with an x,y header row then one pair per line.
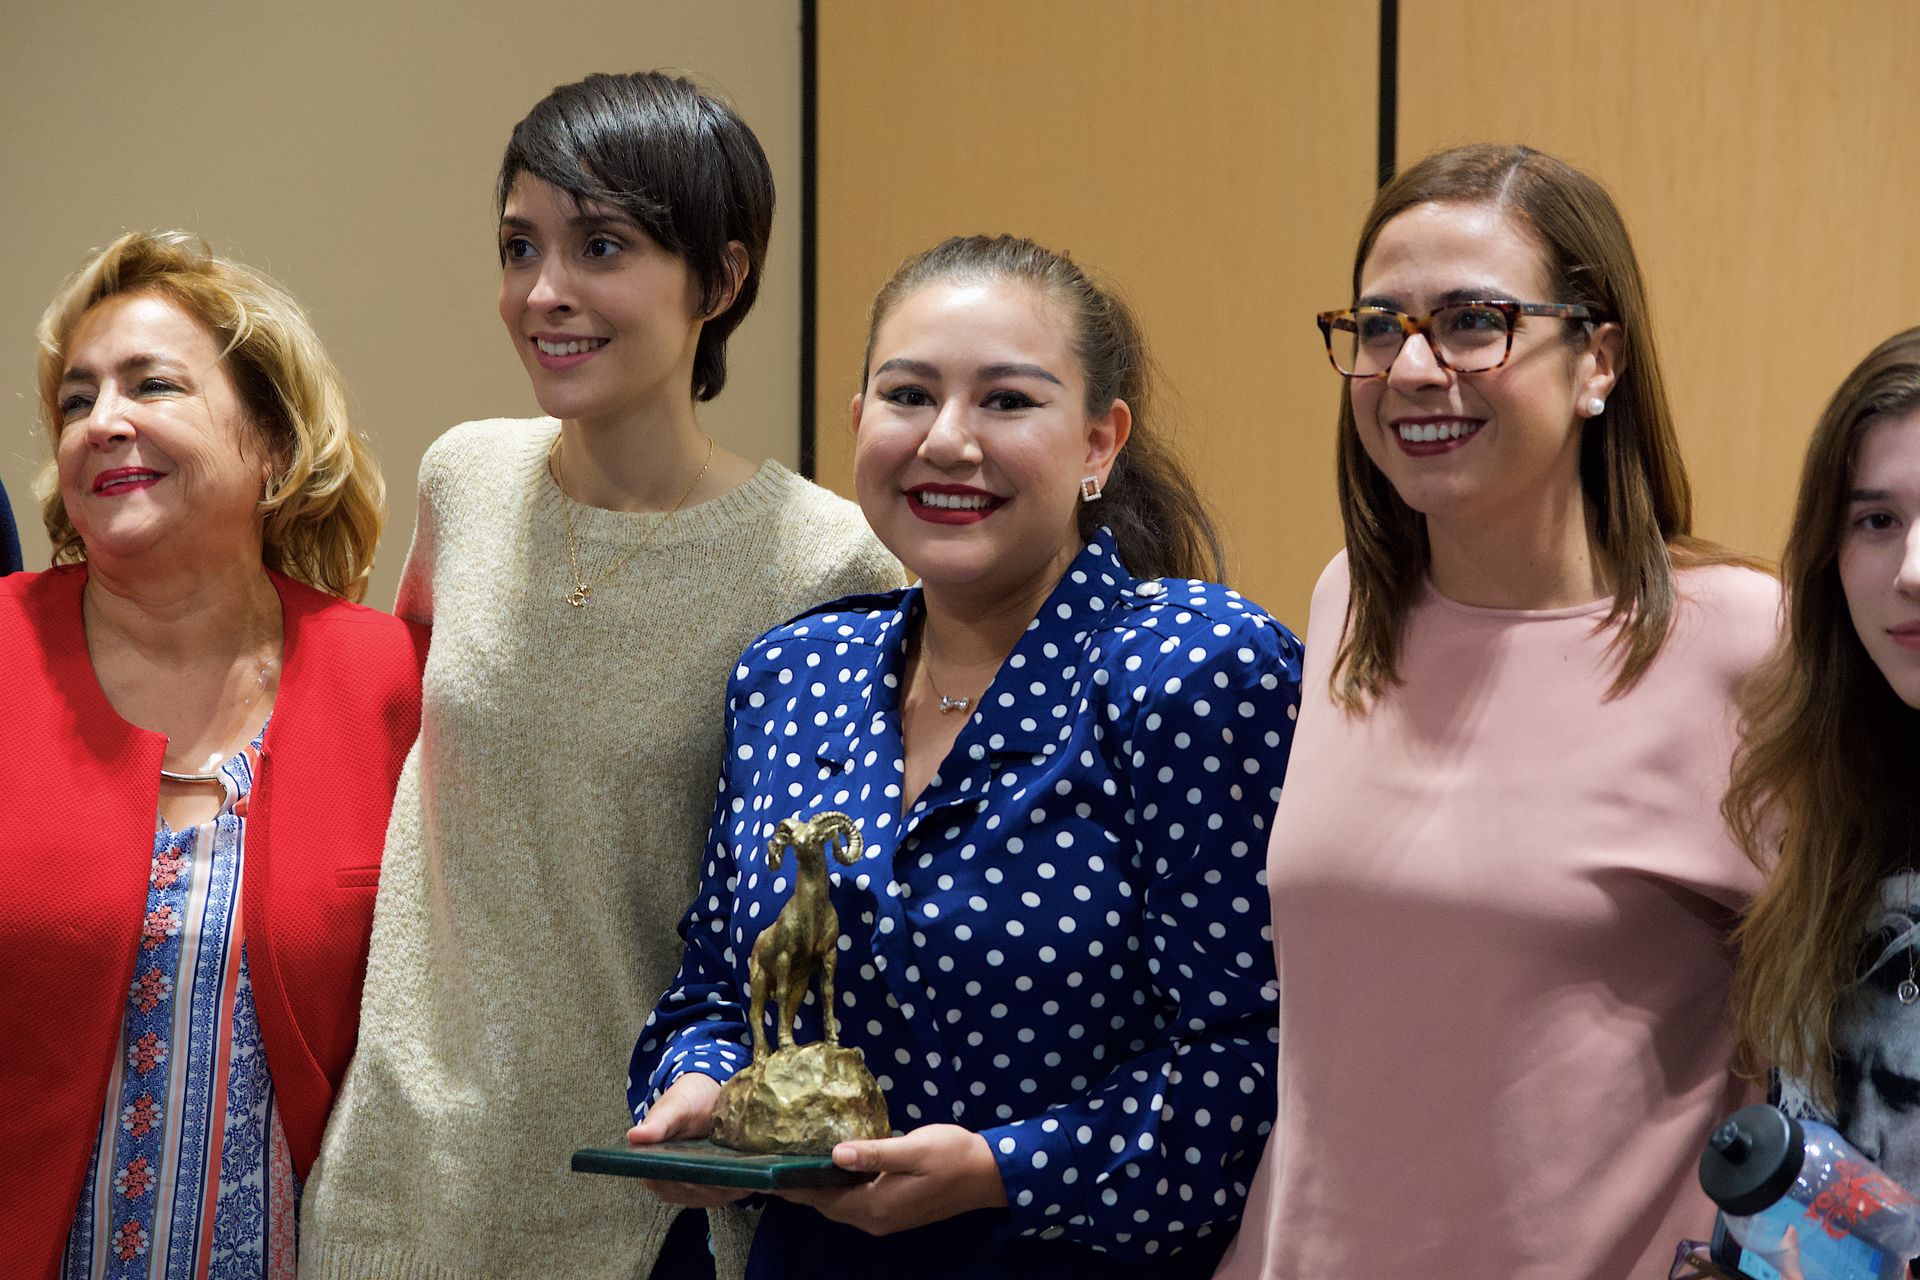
x,y
1063,945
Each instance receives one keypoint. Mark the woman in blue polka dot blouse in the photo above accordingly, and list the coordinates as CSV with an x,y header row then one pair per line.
x,y
1056,956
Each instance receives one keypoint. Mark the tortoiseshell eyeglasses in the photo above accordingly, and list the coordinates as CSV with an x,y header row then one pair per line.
x,y
1467,337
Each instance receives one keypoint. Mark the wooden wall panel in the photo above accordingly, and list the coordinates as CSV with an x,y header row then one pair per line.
x,y
1215,159
1763,156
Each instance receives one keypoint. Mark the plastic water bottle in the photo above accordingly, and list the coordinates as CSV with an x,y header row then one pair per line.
x,y
1800,1199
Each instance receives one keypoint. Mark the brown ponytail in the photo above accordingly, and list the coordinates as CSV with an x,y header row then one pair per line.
x,y
1158,520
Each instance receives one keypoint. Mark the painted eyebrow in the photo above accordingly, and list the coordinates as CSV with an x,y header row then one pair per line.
x,y
1451,297
921,369
1870,495
133,363
900,364
1018,371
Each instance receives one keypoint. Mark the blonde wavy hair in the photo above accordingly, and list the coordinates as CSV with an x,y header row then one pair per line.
x,y
325,502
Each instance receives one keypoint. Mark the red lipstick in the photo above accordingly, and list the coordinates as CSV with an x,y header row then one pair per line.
x,y
952,503
118,480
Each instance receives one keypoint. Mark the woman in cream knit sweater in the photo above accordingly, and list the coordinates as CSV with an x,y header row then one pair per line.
x,y
590,582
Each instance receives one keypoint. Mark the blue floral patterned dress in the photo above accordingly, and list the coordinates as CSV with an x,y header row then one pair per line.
x,y
191,1175
1062,944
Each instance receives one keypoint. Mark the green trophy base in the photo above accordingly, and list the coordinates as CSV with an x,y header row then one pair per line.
x,y
715,1166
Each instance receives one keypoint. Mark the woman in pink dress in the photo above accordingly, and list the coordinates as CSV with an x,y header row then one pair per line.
x,y
1501,884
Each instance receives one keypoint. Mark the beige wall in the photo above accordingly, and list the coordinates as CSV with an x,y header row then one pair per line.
x,y
1763,154
1212,158
348,148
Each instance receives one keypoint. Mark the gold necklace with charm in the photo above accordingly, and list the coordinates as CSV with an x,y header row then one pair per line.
x,y
582,591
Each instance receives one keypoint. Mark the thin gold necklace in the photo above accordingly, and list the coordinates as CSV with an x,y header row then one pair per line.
x,y
266,681
582,592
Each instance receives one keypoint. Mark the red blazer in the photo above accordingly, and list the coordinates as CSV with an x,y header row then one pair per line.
x,y
79,791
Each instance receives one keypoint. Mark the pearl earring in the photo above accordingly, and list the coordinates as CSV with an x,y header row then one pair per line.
x,y
1090,489
1595,407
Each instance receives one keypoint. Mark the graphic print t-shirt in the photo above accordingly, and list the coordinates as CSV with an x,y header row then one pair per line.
x,y
1876,1042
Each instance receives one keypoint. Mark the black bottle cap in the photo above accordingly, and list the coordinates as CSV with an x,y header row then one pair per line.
x,y
1752,1159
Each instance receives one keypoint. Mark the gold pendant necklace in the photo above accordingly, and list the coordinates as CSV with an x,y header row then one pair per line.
x,y
583,591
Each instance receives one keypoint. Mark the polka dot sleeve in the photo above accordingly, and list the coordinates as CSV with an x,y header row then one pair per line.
x,y
700,1024
1162,1149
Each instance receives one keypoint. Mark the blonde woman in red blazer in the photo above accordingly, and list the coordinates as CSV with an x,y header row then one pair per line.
x,y
202,740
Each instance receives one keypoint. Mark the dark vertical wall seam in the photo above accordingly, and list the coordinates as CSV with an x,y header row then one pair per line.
x,y
1389,90
809,238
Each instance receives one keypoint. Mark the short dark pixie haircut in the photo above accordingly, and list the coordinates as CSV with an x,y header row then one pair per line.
x,y
677,161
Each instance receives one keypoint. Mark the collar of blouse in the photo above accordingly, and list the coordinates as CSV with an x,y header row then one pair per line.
x,y
1024,710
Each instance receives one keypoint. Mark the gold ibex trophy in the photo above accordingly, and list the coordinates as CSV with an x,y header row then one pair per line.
x,y
777,1121
801,1098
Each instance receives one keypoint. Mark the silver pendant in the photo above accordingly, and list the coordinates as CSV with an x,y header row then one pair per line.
x,y
579,596
1908,991
950,705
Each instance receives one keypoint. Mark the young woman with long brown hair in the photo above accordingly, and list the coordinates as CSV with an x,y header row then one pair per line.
x,y
1826,789
1500,882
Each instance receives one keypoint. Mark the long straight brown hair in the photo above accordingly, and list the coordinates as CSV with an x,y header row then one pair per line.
x,y
1630,468
1824,789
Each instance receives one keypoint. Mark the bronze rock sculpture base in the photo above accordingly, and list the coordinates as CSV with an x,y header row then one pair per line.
x,y
802,1099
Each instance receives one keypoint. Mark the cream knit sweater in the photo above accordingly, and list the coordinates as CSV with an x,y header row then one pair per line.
x,y
546,837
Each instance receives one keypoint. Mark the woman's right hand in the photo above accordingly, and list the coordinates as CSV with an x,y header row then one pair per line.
x,y
684,1112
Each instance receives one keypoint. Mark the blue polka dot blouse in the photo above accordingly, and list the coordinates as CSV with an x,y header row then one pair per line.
x,y
1064,944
